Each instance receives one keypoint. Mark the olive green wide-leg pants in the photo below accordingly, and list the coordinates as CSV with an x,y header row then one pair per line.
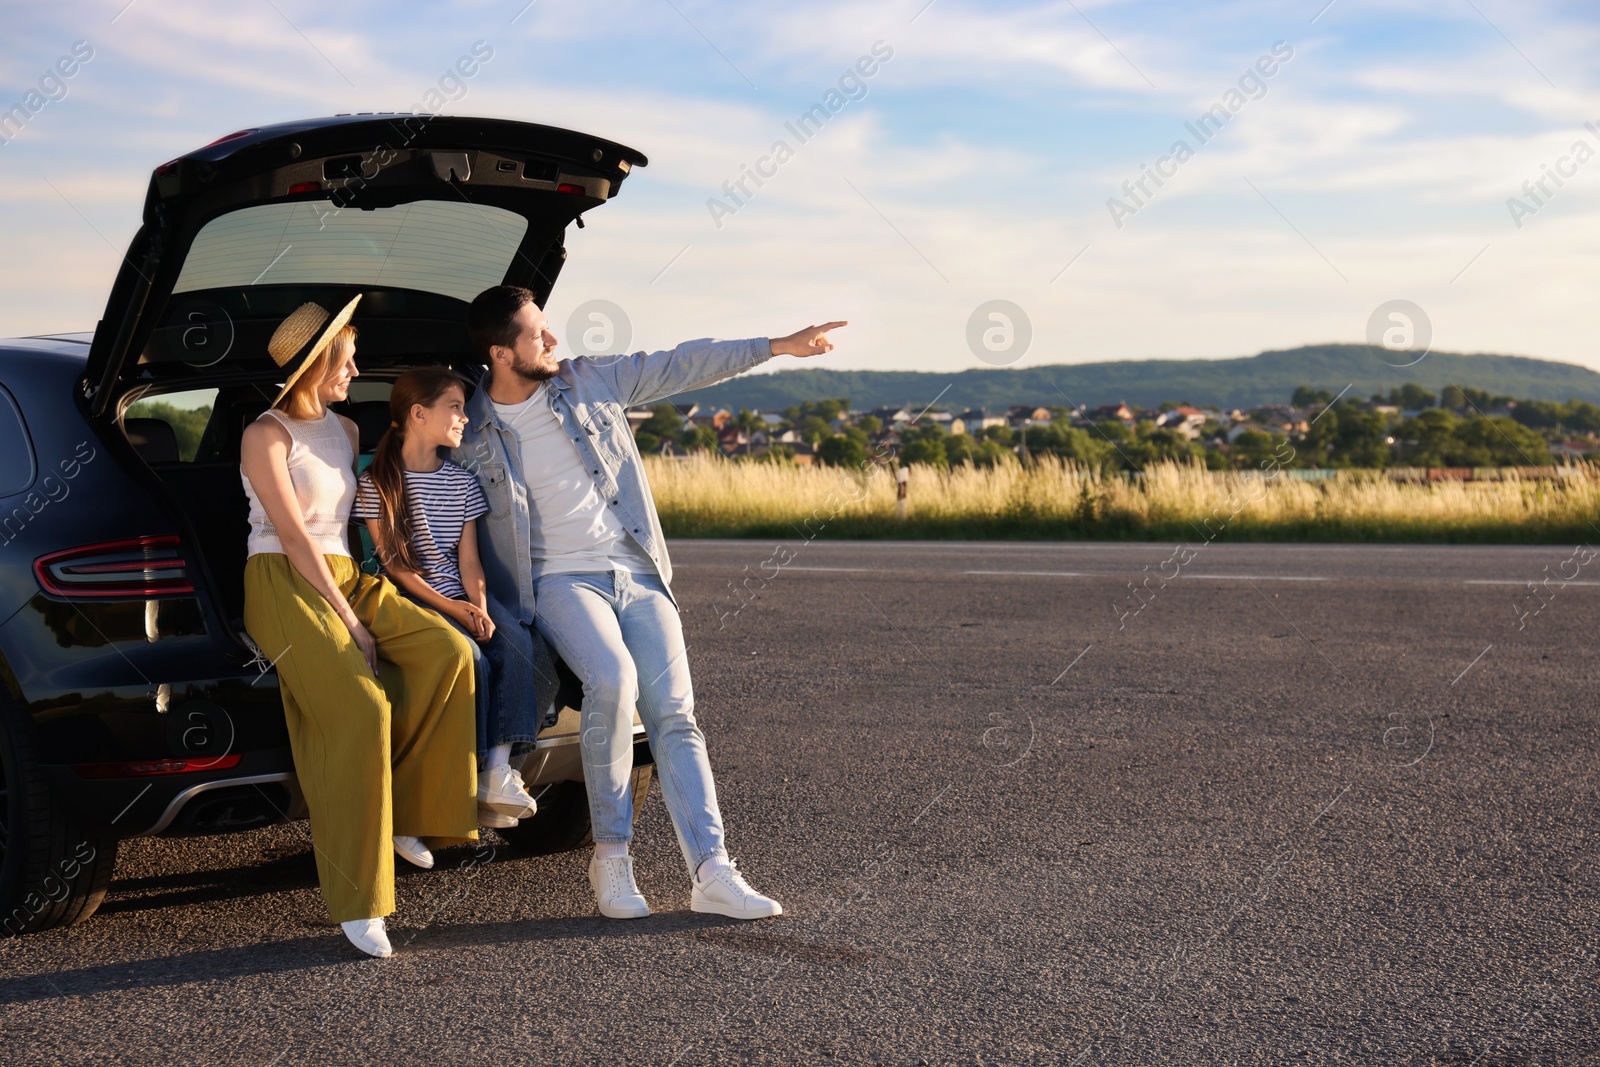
x,y
376,756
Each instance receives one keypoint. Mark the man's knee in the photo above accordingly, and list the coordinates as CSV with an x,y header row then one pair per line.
x,y
612,685
676,713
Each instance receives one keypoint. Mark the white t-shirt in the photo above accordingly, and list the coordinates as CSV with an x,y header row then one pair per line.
x,y
573,529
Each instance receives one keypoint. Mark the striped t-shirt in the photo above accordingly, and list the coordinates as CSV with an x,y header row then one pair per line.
x,y
442,502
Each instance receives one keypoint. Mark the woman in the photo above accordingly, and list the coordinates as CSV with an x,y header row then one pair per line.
x,y
423,515
384,753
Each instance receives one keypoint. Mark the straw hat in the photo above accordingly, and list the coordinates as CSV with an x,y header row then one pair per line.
x,y
305,333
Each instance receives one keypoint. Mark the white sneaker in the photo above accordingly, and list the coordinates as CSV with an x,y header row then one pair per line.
x,y
494,820
414,852
369,936
614,888
501,789
725,892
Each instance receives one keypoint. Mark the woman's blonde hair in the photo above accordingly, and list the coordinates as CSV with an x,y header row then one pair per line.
x,y
299,402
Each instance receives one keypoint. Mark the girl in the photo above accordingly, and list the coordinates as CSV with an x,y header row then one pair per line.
x,y
383,750
422,514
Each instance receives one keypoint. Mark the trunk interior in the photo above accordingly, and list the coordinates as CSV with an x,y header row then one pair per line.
x,y
196,458
190,440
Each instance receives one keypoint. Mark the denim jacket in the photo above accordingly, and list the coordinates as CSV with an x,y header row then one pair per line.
x,y
588,396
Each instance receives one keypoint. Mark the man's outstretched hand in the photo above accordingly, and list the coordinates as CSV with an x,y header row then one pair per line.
x,y
811,341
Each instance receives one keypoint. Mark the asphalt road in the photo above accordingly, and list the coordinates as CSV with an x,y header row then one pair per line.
x,y
1319,804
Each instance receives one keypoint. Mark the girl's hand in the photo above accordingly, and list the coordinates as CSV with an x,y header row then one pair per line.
x,y
364,641
476,621
484,620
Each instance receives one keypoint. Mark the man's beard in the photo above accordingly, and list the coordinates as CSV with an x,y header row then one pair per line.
x,y
532,374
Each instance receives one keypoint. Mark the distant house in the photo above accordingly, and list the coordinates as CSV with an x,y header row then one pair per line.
x,y
1018,415
1120,412
1574,448
714,419
1242,427
639,416
1184,420
975,421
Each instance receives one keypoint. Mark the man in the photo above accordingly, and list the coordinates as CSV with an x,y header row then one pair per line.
x,y
572,527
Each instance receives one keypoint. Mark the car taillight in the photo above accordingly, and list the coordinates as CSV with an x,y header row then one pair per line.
x,y
143,768
136,569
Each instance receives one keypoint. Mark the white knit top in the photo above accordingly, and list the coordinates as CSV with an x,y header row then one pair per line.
x,y
322,471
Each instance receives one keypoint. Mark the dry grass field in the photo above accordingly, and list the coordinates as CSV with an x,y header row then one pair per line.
x,y
709,497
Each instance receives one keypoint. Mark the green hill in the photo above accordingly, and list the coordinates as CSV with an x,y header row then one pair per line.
x,y
1227,383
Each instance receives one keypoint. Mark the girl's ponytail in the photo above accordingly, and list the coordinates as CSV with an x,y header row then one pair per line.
x,y
389,479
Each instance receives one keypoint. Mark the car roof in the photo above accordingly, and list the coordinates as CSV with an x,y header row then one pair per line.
x,y
64,344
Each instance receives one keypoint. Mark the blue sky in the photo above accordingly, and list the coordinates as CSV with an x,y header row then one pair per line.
x,y
1375,164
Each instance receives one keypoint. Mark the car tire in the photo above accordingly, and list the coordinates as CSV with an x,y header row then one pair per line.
x,y
562,822
51,873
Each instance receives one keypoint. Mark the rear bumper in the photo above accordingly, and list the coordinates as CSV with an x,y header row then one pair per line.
x,y
260,790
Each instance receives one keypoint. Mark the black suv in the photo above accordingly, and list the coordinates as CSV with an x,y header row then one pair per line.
x,y
134,703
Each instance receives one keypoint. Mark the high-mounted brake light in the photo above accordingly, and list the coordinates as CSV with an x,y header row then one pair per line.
x,y
305,187
568,187
135,569
230,137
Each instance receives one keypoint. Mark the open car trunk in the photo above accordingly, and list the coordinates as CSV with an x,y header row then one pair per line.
x,y
416,213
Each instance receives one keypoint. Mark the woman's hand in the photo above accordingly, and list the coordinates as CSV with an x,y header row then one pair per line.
x,y
364,641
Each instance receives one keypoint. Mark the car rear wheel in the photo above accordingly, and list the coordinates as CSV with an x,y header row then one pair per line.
x,y
51,873
562,822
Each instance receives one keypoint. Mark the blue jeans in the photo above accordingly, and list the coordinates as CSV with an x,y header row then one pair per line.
x,y
516,681
620,633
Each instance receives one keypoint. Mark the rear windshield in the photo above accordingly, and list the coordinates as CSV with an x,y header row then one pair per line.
x,y
455,249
